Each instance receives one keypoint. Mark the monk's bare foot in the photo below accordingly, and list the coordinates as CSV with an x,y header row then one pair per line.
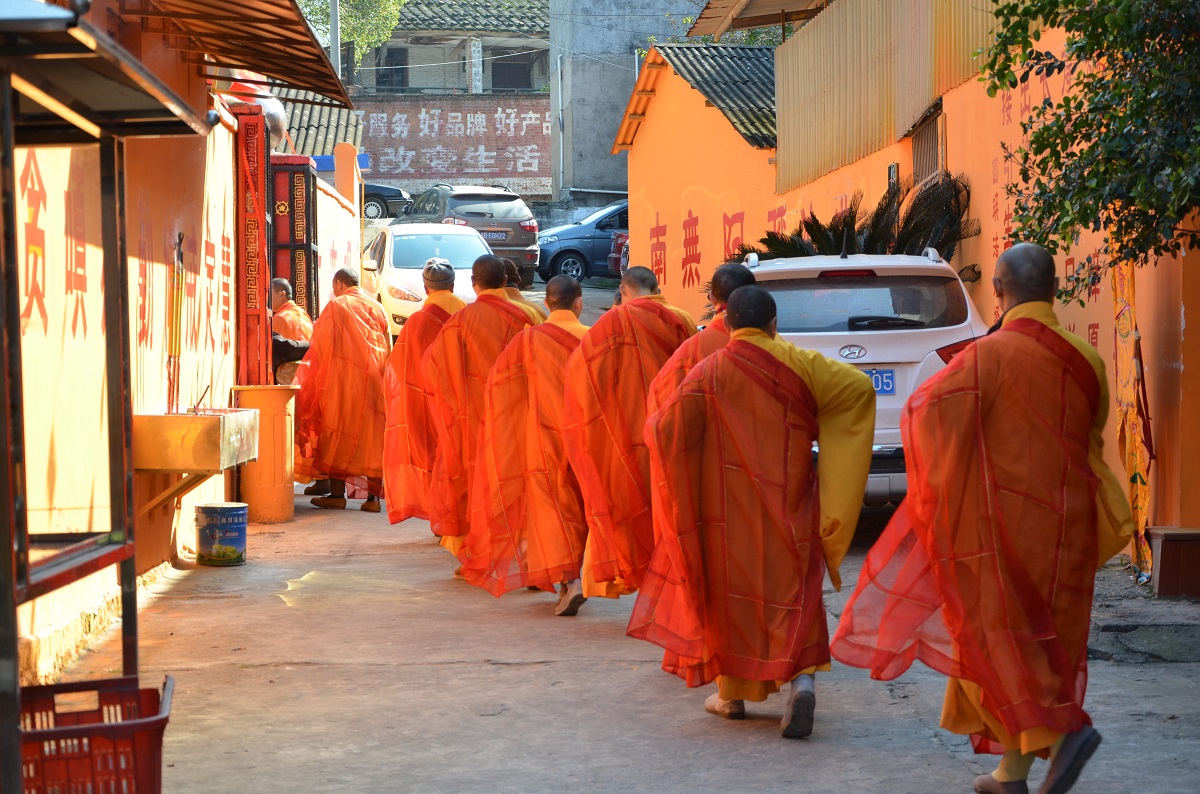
x,y
570,599
329,502
989,785
801,704
1069,761
370,506
729,709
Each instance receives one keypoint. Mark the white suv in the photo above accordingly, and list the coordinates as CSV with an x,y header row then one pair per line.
x,y
898,318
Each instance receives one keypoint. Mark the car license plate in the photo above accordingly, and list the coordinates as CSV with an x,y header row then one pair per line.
x,y
884,380
495,235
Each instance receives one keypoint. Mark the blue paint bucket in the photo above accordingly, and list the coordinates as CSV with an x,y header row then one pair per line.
x,y
221,533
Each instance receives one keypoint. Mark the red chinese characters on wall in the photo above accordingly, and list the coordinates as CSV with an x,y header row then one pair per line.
x,y
734,228
1093,335
226,289
691,250
144,330
33,190
658,250
76,259
777,219
210,270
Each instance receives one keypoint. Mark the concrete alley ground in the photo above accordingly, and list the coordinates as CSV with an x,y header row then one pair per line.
x,y
344,657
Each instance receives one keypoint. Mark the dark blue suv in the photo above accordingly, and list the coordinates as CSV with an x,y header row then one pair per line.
x,y
580,249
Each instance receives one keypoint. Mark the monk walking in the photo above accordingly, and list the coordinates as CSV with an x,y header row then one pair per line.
x,y
985,572
527,524
715,335
746,528
340,410
604,417
410,440
512,288
456,368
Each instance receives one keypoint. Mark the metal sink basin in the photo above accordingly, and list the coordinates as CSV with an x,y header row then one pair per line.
x,y
209,441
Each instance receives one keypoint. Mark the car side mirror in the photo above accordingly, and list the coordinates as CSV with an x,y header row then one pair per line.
x,y
408,209
370,264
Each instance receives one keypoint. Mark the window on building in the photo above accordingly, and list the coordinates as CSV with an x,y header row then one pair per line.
x,y
929,147
393,73
512,73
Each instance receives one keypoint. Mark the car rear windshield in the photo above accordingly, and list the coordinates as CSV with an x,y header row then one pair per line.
x,y
867,303
412,250
509,207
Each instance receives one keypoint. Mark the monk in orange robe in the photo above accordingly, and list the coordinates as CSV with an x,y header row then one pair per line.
x,y
604,418
527,524
985,572
512,288
456,368
287,319
746,529
410,440
715,335
340,411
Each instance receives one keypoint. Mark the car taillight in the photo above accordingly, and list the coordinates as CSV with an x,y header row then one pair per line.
x,y
950,351
846,274
529,225
455,221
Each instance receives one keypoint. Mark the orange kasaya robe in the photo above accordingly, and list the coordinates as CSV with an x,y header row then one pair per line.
x,y
745,528
699,347
515,296
985,572
292,322
410,439
604,417
456,368
340,410
527,524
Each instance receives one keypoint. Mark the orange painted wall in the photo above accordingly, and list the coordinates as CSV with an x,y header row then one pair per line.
x,y
687,157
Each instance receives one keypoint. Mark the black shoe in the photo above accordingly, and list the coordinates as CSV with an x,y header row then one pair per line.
x,y
1070,759
797,720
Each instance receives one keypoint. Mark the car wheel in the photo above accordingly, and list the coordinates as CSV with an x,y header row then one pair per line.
x,y
572,265
374,209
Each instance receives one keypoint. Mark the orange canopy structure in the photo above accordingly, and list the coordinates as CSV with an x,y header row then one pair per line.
x,y
340,411
608,378
527,524
986,572
456,368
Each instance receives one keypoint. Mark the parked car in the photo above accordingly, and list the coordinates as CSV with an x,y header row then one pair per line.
x,y
618,254
581,249
383,201
392,264
497,213
900,319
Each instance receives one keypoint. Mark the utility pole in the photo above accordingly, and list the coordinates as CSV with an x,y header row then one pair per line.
x,y
335,38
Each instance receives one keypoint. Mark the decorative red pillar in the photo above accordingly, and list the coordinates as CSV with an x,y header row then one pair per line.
x,y
253,297
294,239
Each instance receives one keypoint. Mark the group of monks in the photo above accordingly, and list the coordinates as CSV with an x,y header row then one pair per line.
x,y
719,475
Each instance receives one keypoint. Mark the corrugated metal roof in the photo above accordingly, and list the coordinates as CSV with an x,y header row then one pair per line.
x,y
739,81
476,16
316,129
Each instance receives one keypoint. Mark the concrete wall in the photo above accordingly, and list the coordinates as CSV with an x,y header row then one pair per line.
x,y
597,47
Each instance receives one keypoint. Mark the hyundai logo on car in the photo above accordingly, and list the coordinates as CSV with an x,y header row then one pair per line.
x,y
852,352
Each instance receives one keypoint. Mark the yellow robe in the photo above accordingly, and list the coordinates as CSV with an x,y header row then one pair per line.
x,y
515,296
680,313
962,707
846,420
446,300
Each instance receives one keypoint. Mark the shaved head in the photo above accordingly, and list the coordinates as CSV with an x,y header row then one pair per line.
x,y
562,292
639,282
488,272
1025,273
751,307
725,280
346,277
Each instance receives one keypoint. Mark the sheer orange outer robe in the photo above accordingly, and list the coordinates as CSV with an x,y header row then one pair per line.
x,y
515,296
292,322
744,534
527,524
456,368
340,410
410,440
699,347
604,417
986,571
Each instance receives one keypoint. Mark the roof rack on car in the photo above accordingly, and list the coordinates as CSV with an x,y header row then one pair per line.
x,y
503,187
751,260
443,184
932,255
